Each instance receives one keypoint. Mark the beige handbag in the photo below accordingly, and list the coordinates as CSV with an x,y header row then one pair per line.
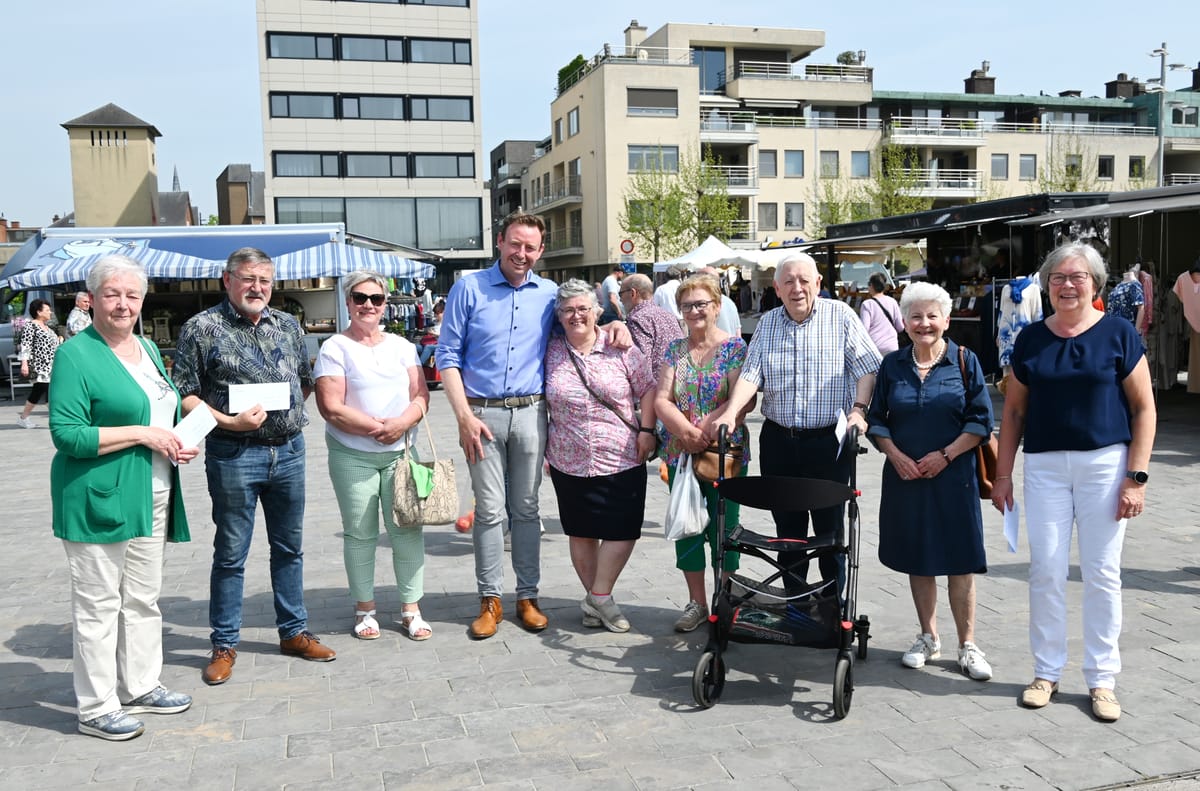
x,y
440,507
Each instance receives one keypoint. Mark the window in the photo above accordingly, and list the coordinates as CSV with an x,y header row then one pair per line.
x,y
441,108
301,105
711,61
1137,167
573,122
1028,167
1185,116
1073,165
449,223
447,166
1000,167
1106,167
768,216
793,216
652,101
454,3
860,164
364,48
380,108
368,166
766,164
439,50
654,158
830,167
288,45
302,210
558,135
313,164
793,164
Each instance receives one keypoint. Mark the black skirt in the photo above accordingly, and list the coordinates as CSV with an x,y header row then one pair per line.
x,y
606,507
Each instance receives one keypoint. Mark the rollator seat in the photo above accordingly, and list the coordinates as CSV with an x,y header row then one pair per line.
x,y
781,493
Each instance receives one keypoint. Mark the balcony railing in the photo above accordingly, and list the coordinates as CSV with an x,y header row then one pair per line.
x,y
974,128
771,70
799,122
945,178
561,239
569,187
726,121
957,128
739,176
1182,178
742,229
660,56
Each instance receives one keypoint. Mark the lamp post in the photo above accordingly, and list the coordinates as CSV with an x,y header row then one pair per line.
x,y
1161,89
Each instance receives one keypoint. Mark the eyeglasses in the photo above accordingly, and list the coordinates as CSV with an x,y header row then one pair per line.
x,y
361,298
625,291
688,307
251,280
1076,278
581,310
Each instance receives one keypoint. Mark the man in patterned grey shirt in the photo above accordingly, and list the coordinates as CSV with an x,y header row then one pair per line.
x,y
253,455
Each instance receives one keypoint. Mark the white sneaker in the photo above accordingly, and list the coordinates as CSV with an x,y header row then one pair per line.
x,y
694,614
26,422
923,649
971,662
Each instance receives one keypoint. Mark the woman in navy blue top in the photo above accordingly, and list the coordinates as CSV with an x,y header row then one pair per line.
x,y
927,415
1081,396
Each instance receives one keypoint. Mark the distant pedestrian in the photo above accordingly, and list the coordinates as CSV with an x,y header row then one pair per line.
x,y
79,319
39,344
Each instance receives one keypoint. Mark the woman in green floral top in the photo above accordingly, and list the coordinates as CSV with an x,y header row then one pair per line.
x,y
693,387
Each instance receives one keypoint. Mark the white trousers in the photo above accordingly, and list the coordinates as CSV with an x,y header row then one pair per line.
x,y
117,645
1081,489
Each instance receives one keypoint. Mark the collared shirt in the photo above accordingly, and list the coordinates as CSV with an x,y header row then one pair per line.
x,y
664,297
808,371
586,439
78,320
728,319
653,329
496,334
219,347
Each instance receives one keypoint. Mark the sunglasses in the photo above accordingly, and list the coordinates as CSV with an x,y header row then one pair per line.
x,y
361,299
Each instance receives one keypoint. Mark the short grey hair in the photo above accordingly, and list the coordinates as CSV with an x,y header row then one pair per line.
x,y
792,260
246,255
1065,252
573,288
360,276
81,295
920,292
115,265
641,284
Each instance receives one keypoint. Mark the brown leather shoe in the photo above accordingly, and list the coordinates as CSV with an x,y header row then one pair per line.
x,y
490,614
530,616
220,666
307,645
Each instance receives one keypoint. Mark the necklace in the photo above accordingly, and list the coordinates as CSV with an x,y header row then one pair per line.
x,y
937,358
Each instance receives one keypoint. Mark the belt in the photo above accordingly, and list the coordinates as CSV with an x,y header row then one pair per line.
x,y
273,442
507,402
797,433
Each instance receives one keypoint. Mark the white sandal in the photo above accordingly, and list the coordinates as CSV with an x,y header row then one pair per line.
x,y
411,623
367,623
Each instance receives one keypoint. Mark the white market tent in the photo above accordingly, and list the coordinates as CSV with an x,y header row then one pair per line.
x,y
713,252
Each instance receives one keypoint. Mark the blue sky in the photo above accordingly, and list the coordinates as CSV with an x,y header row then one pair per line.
x,y
191,69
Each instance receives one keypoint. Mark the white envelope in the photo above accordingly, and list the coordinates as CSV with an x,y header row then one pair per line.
x,y
195,426
1012,525
273,396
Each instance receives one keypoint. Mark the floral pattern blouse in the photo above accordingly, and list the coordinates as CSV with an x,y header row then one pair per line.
x,y
585,438
1020,306
1125,299
700,390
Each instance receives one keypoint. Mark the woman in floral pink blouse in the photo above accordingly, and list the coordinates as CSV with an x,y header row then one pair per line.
x,y
597,447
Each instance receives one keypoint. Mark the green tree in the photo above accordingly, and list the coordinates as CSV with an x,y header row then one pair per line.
x,y
895,186
213,220
1070,166
669,212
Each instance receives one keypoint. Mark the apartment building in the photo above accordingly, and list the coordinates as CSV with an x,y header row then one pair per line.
x,y
793,133
371,117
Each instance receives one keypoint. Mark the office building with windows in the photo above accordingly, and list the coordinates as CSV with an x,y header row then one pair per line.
x,y
371,118
794,135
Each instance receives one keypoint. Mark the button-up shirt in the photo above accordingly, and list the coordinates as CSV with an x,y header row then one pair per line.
x,y
808,370
219,347
495,334
653,329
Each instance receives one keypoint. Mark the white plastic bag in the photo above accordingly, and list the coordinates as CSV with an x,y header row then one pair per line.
x,y
687,513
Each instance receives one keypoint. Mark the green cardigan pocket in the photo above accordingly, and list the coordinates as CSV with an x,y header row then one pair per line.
x,y
104,507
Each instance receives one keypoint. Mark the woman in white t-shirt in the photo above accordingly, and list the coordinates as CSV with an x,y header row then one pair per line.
x,y
371,392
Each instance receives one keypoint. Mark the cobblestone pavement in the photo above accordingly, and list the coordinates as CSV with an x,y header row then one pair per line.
x,y
578,708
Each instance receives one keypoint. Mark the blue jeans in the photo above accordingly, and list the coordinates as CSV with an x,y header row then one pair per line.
x,y
505,483
241,474
425,353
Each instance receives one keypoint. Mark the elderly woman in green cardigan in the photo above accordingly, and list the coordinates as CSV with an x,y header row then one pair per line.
x,y
116,501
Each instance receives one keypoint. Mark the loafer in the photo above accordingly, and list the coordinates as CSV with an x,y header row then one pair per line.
x,y
116,726
1105,706
307,645
1038,694
220,666
159,700
608,613
530,616
491,613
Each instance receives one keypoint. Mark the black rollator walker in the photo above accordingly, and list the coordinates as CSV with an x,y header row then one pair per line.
x,y
813,615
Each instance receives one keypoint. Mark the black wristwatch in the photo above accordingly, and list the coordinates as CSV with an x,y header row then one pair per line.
x,y
1138,476
646,429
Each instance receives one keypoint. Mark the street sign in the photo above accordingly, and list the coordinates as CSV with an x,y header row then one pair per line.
x,y
626,246
628,264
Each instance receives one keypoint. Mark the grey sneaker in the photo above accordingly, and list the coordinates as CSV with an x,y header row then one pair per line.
x,y
694,614
971,662
608,614
26,422
159,700
115,726
924,648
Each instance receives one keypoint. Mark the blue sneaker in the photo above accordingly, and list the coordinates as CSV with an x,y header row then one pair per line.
x,y
159,700
116,726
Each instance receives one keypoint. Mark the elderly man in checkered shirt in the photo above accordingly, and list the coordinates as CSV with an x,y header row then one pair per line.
x,y
814,361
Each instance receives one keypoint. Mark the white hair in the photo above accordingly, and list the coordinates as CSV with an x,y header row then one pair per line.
x,y
920,292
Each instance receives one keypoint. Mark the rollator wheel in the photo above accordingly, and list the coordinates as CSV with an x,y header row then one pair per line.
x,y
708,679
843,686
